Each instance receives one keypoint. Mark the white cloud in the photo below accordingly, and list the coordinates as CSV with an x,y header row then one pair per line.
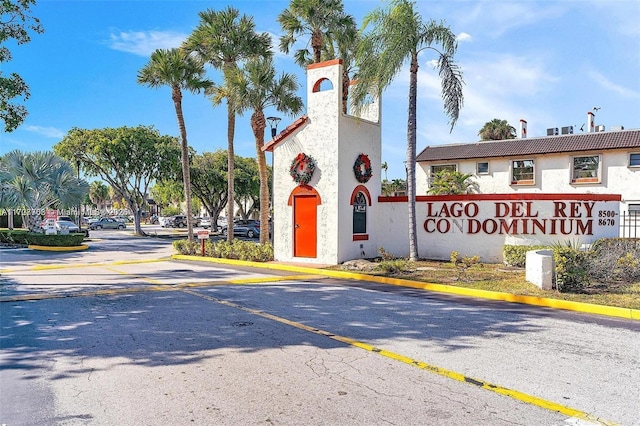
x,y
503,16
609,85
144,43
463,37
49,132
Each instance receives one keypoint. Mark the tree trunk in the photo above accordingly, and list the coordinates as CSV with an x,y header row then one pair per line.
x,y
316,45
411,158
258,124
345,90
186,175
231,123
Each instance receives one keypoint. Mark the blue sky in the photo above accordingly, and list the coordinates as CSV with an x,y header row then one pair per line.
x,y
548,62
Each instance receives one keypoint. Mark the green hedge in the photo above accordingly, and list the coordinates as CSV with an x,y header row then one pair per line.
x,y
22,236
238,249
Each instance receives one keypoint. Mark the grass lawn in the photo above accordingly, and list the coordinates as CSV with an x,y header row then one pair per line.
x,y
497,277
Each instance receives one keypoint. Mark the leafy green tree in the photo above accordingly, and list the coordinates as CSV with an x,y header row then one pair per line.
x,y
35,181
398,35
393,187
497,130
99,194
256,87
180,71
127,158
225,39
168,192
15,23
209,182
247,183
315,18
450,182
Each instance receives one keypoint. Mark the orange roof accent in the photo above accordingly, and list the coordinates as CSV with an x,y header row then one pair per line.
x,y
280,137
324,64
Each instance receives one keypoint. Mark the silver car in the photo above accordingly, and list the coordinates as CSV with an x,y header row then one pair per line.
x,y
108,223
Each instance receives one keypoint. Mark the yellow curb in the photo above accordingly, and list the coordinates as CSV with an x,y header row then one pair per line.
x,y
49,248
612,311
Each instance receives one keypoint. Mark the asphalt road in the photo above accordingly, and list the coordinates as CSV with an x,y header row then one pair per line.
x,y
120,334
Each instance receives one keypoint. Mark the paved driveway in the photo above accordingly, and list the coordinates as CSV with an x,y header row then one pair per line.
x,y
139,339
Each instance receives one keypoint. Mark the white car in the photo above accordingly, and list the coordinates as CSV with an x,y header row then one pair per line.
x,y
71,227
205,222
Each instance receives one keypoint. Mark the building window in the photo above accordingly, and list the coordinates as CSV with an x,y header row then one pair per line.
x,y
586,169
522,172
440,167
360,214
634,159
482,168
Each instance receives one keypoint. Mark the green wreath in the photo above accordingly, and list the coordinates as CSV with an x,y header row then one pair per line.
x,y
362,168
302,168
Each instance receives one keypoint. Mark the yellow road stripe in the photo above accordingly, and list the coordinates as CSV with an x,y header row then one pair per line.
x,y
83,265
520,396
158,286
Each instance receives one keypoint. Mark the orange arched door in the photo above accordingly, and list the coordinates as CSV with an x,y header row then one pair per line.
x,y
305,215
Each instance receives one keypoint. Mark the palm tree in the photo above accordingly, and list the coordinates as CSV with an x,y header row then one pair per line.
x,y
317,18
224,39
98,193
256,87
450,182
342,43
180,71
497,130
36,181
399,35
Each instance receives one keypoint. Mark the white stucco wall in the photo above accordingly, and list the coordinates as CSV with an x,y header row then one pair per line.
x,y
334,140
441,230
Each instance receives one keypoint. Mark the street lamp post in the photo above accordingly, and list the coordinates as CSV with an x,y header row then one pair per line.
x,y
273,124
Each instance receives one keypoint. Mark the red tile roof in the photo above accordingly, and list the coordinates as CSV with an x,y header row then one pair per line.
x,y
597,141
280,137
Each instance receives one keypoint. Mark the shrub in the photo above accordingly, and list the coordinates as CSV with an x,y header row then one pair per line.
x,y
237,249
391,264
59,240
517,255
462,263
616,259
572,267
13,236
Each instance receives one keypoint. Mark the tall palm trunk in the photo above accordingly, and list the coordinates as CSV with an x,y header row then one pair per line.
x,y
176,95
231,126
411,156
258,124
316,45
345,90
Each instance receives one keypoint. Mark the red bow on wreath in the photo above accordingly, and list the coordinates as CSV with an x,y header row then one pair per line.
x,y
302,168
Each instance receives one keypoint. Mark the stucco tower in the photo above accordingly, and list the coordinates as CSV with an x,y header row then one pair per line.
x,y
326,170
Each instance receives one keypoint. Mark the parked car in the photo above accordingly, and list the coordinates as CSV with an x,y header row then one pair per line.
x,y
108,223
69,226
179,221
245,228
205,222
